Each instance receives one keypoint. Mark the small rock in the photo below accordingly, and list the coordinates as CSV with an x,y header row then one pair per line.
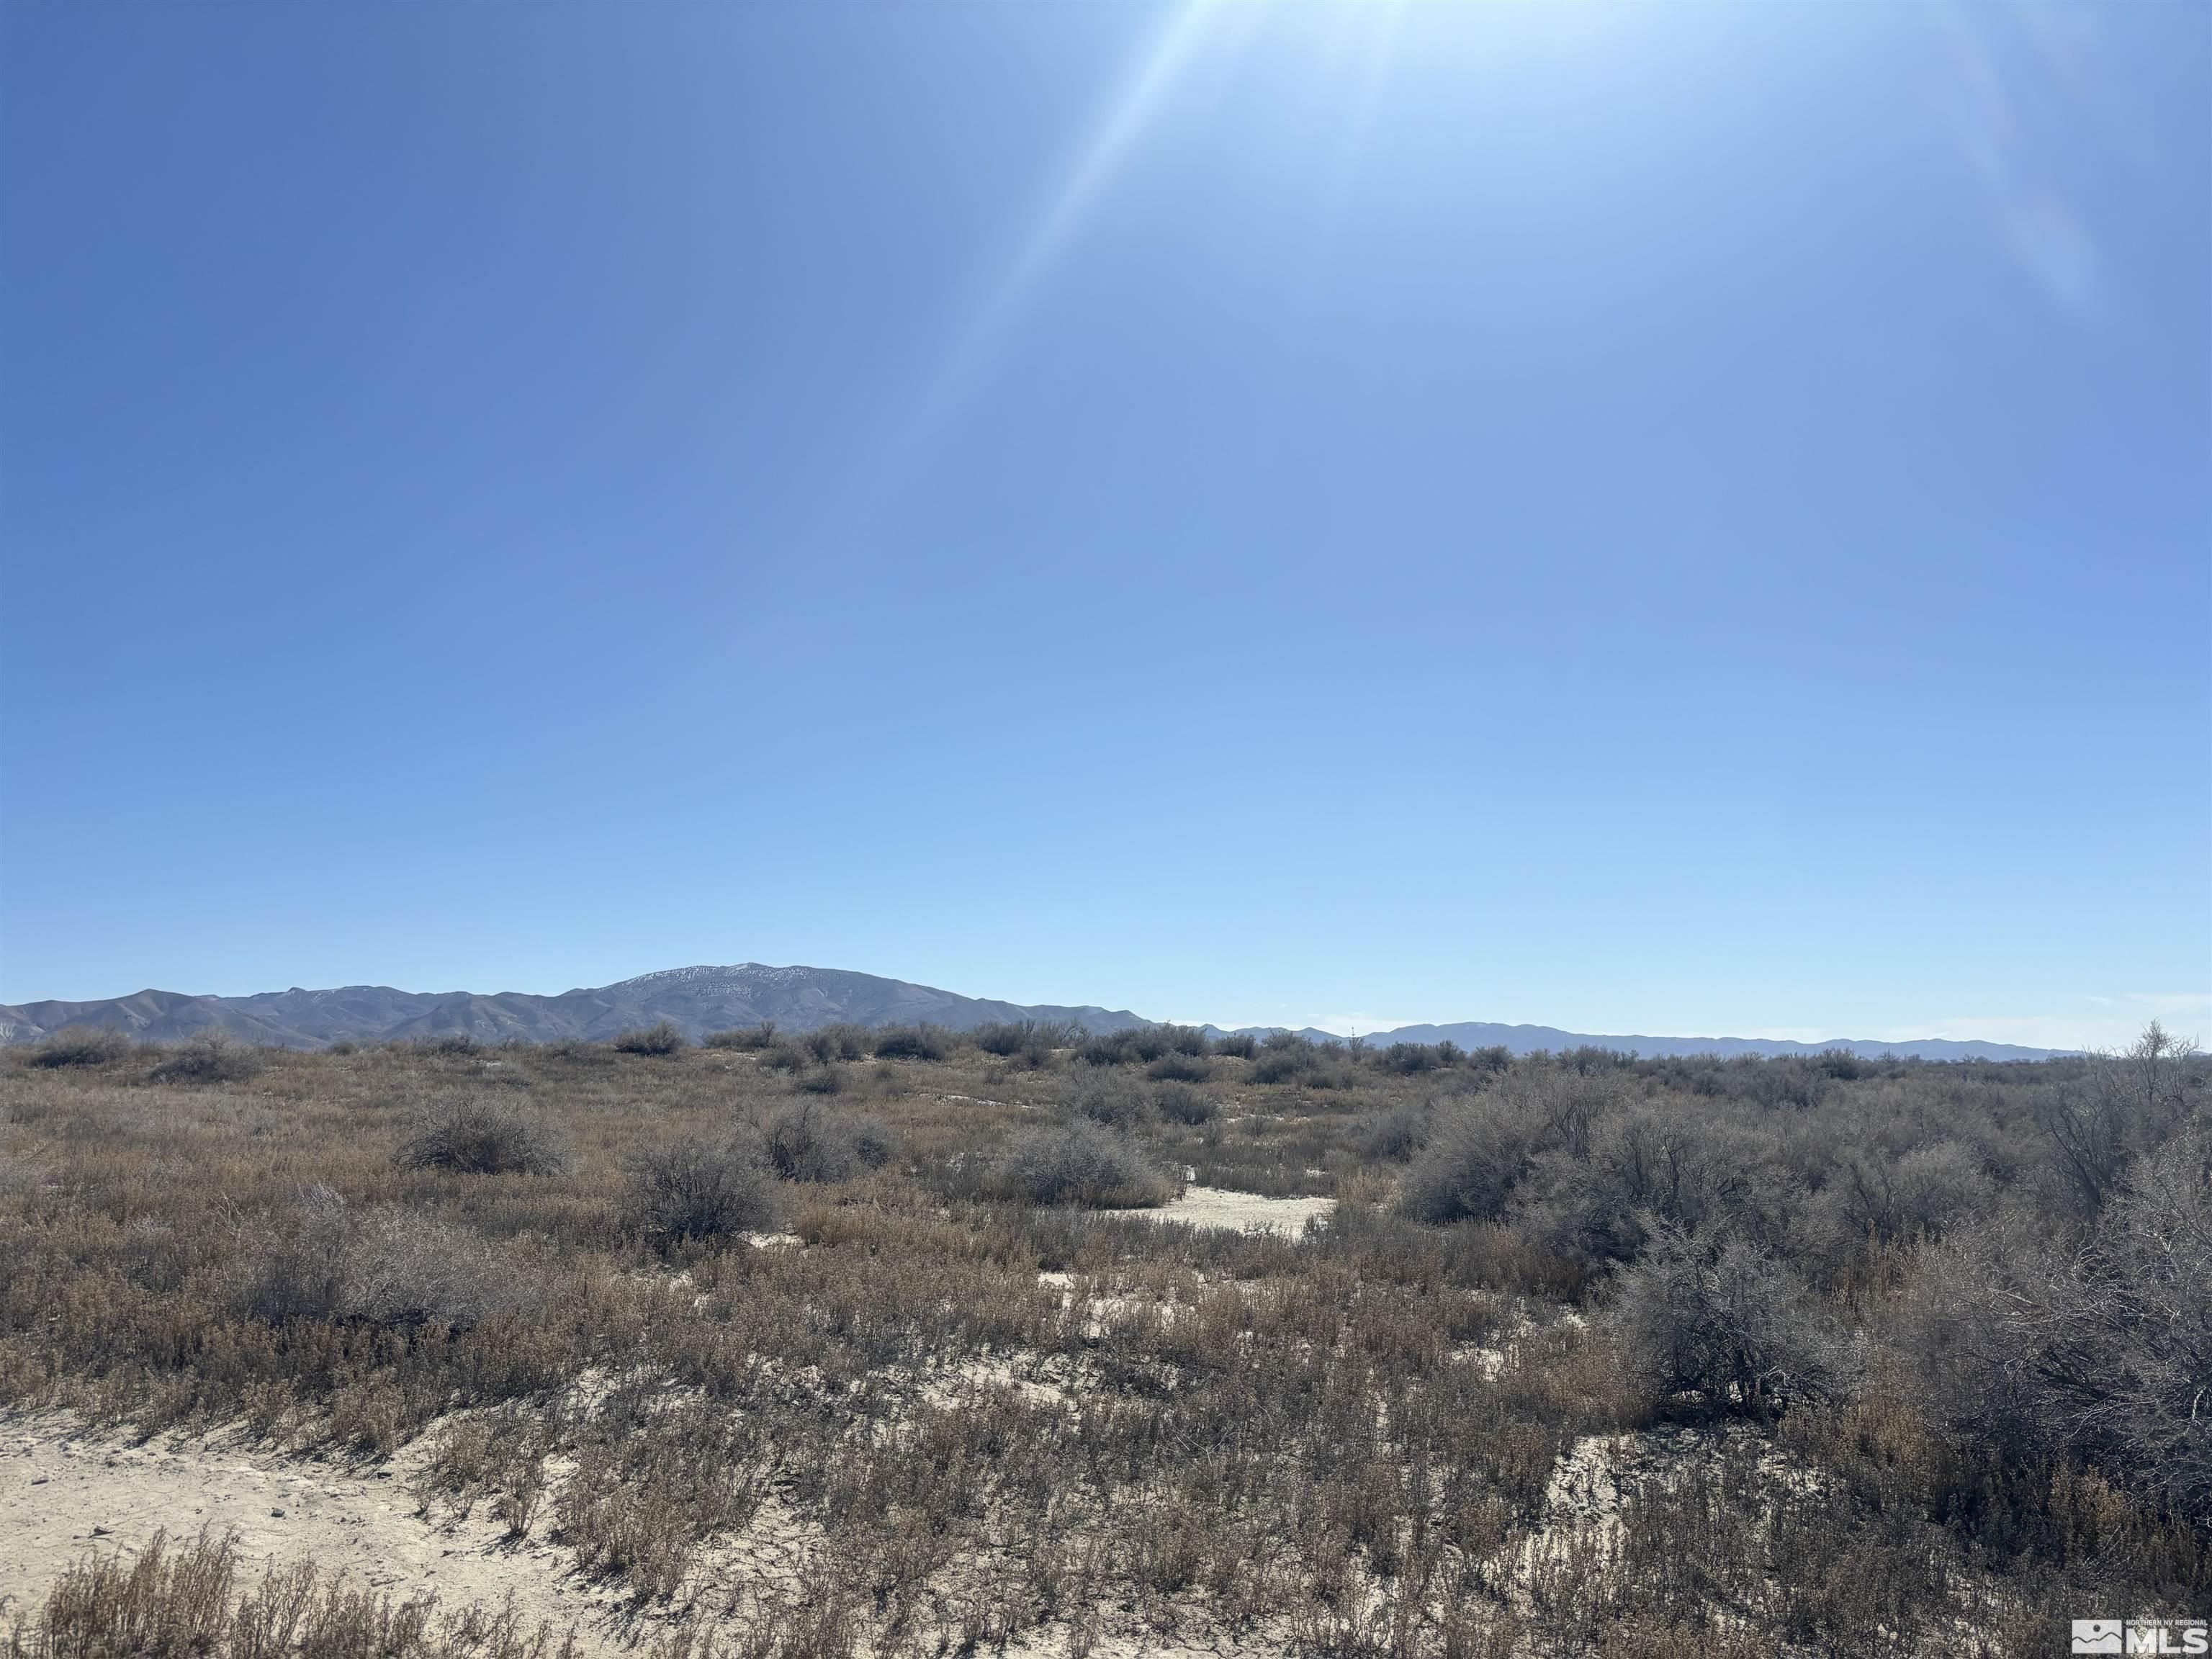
x,y
279,1514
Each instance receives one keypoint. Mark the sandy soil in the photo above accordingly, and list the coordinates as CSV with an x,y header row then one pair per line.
x,y
65,1493
1243,1212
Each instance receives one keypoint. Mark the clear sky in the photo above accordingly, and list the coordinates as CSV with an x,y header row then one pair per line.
x,y
1670,520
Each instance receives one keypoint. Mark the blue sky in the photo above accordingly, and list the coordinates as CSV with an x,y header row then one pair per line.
x,y
1673,520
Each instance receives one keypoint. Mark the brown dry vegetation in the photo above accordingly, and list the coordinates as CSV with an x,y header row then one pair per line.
x,y
1630,1359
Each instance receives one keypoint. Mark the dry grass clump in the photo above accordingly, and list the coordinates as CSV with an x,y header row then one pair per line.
x,y
184,1601
1079,1162
84,1046
473,1134
698,1187
661,1040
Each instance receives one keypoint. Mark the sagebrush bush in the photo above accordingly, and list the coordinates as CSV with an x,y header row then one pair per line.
x,y
1237,1045
1474,1157
211,1057
1002,1037
1178,1103
805,1141
662,1039
914,1042
747,1039
699,1186
1032,1042
1079,1162
1175,1066
1285,1058
473,1134
86,1045
1108,1097
1722,1321
829,1043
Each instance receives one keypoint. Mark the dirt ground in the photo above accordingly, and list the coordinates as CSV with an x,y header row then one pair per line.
x,y
65,1492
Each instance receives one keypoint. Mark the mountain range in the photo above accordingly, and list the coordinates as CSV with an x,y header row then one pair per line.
x,y
703,1000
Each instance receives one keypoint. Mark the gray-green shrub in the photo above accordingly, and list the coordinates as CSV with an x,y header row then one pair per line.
x,y
1079,1162
471,1134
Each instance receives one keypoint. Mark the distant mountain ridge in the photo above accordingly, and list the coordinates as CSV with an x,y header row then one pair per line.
x,y
701,1000
697,1000
1529,1039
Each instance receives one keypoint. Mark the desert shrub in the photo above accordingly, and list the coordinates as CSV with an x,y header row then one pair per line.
x,y
1408,1058
1032,1042
661,1039
913,1042
803,1141
785,1057
1925,1194
1178,1103
699,1186
87,1045
825,1080
1079,1162
1105,1049
1002,1037
472,1135
386,1265
1285,1058
1175,1066
211,1057
1475,1158
402,1266
1722,1321
1109,1098
444,1043
1391,1134
2097,1348
749,1039
574,1051
829,1043
1179,1040
1237,1045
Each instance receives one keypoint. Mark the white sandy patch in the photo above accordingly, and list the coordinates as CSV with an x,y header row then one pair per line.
x,y
1243,1213
65,1492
